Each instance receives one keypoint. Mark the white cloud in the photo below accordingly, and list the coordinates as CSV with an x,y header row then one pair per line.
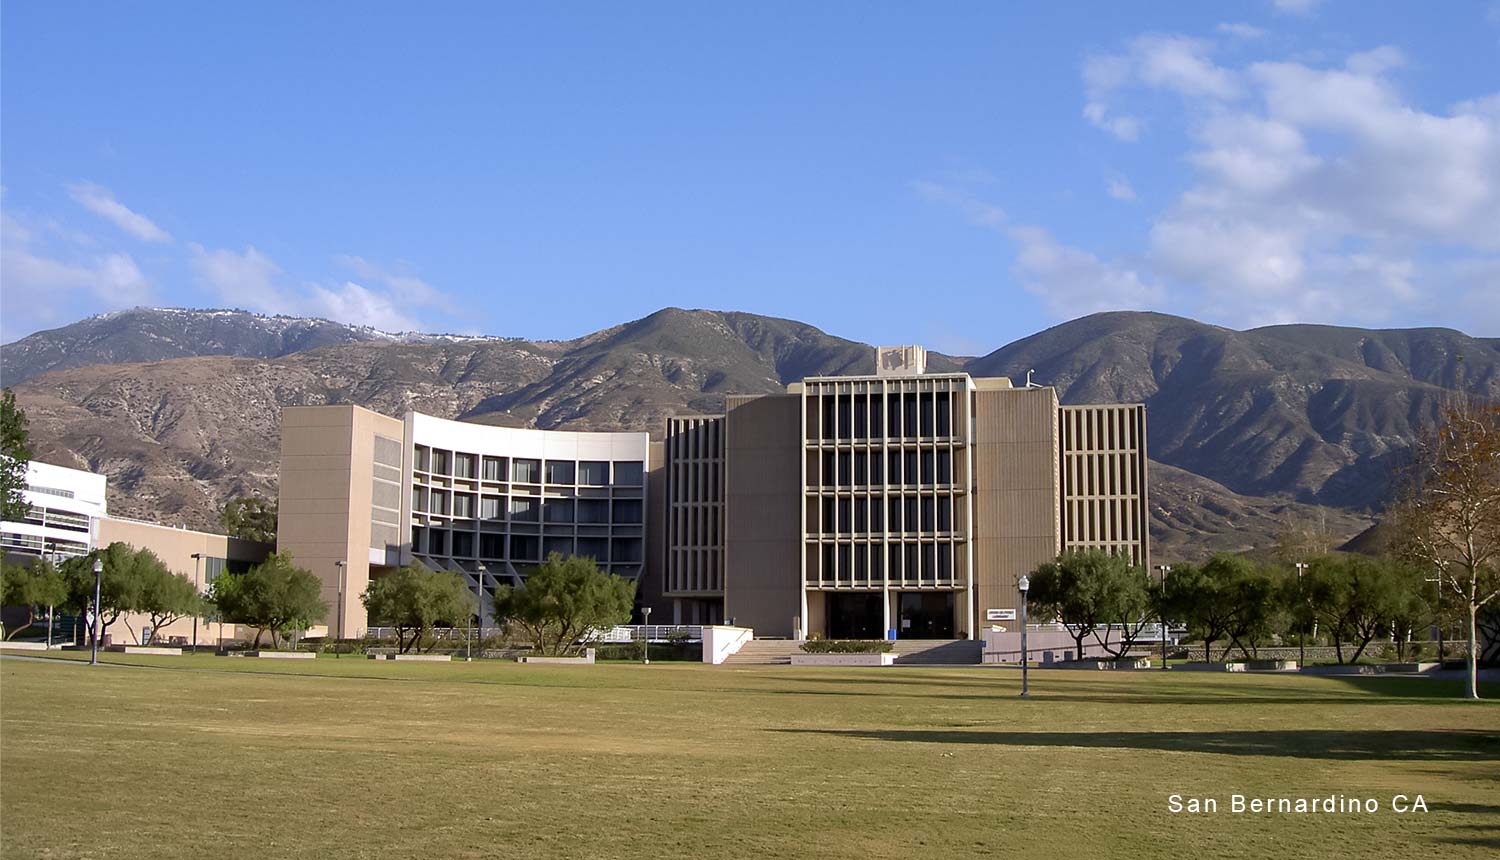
x,y
1120,188
1240,30
1069,281
1296,7
253,281
1317,191
41,288
1177,64
102,202
1073,282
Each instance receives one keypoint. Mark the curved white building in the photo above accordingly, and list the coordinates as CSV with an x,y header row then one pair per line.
x,y
487,502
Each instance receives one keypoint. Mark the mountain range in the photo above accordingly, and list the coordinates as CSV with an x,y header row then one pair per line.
x,y
1250,432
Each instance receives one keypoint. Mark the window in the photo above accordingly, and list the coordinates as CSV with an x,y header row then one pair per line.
x,y
492,546
893,470
439,503
945,467
830,524
491,508
423,459
463,465
877,516
926,406
862,468
437,541
911,518
928,517
525,510
595,548
843,468
829,475
629,473
463,506
494,468
563,546
627,550
526,471
558,510
463,544
560,471
593,473
927,470
895,514
628,510
877,469
910,472
419,500
861,522
440,462
945,513
944,415
844,518
593,511
525,548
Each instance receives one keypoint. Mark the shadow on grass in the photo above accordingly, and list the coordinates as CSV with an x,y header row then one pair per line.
x,y
1355,745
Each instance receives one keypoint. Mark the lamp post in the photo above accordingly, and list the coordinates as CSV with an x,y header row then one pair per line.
x,y
98,579
479,610
1162,614
197,560
646,636
1301,631
1024,585
342,566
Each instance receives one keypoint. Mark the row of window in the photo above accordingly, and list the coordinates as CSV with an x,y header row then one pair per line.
x,y
524,470
862,469
892,416
908,514
53,518
922,562
525,548
526,509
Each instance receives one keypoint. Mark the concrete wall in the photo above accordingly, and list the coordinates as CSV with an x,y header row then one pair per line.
x,y
763,507
175,547
327,458
1016,512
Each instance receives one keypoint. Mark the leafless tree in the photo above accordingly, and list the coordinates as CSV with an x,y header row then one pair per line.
x,y
1448,518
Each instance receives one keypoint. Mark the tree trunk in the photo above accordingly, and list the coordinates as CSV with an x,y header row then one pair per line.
x,y
1361,649
1208,650
30,618
1471,690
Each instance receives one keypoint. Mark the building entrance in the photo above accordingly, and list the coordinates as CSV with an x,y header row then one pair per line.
x,y
925,615
854,615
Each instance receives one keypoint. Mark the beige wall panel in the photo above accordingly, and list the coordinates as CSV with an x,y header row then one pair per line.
x,y
763,487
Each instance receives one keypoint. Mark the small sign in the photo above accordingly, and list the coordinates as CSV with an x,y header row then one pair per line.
x,y
1000,615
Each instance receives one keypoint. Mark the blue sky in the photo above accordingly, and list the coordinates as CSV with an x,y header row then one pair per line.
x,y
546,170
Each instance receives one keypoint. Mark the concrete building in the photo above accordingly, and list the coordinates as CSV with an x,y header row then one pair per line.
x,y
363,493
66,507
903,501
69,518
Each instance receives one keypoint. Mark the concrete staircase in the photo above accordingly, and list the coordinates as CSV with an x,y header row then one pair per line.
x,y
765,652
909,652
937,652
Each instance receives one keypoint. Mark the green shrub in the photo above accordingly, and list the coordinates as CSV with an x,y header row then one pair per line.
x,y
846,646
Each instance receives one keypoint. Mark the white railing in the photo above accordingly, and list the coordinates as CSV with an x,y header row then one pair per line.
x,y
621,633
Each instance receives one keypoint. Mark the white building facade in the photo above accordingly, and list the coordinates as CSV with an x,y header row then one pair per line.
x,y
66,507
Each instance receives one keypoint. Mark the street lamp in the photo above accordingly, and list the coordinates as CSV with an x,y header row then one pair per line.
x,y
197,559
646,636
1024,585
1302,622
342,566
479,610
98,579
1162,613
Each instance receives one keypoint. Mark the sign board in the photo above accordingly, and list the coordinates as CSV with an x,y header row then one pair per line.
x,y
999,615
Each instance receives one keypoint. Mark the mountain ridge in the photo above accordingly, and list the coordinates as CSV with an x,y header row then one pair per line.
x,y
1248,429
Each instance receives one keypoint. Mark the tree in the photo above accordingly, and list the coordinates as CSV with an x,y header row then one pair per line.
x,y
1448,520
275,596
1356,598
1088,591
250,518
414,599
40,584
15,453
1229,597
564,599
165,596
119,585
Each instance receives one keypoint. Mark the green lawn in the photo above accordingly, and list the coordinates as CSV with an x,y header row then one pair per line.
x,y
216,757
